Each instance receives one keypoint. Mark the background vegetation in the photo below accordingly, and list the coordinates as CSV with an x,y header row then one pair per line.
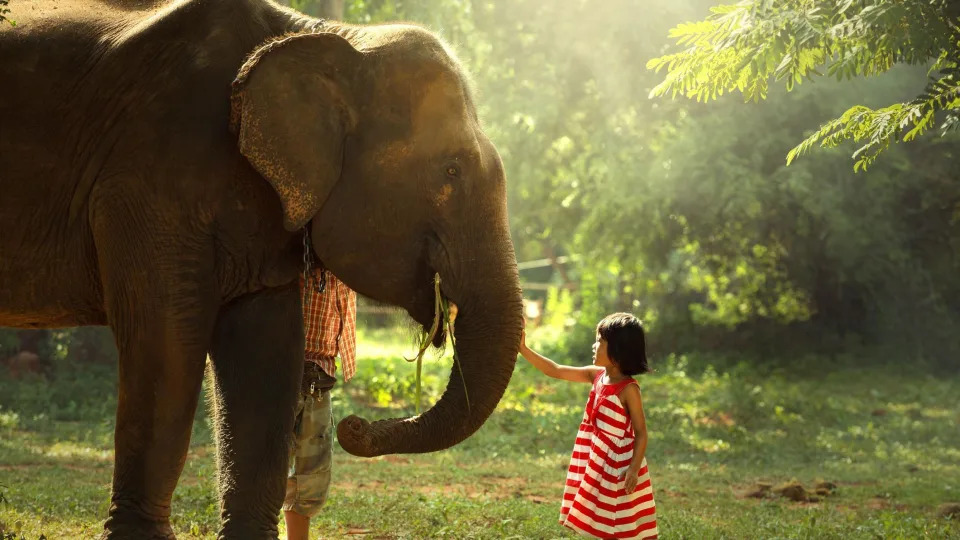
x,y
687,213
802,319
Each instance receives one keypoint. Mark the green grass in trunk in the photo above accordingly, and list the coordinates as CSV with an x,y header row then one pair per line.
x,y
889,439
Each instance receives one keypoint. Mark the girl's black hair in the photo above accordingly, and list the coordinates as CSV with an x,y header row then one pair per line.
x,y
626,345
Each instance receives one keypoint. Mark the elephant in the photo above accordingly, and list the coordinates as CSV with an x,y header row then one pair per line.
x,y
170,171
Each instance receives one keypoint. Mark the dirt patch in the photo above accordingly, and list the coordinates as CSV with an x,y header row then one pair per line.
x,y
673,493
68,466
759,491
363,484
21,467
792,491
516,489
860,483
949,510
359,532
493,488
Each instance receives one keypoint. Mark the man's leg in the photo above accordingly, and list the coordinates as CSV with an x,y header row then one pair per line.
x,y
309,478
298,526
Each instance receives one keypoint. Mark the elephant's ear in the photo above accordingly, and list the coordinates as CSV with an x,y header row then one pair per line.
x,y
291,110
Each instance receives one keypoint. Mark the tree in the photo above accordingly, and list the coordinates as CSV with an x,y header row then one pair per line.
x,y
680,212
739,47
729,249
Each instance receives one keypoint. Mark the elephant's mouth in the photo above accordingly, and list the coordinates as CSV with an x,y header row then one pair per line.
x,y
427,323
426,315
440,337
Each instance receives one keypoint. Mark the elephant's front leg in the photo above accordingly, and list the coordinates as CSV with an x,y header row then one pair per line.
x,y
162,322
159,388
257,359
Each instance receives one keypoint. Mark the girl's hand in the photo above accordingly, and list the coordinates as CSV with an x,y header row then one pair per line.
x,y
630,479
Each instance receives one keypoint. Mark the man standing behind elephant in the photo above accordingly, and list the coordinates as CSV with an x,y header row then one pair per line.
x,y
329,323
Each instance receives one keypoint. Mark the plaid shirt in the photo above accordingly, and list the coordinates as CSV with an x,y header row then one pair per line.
x,y
330,324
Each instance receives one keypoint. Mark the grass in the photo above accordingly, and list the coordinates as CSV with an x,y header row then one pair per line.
x,y
889,438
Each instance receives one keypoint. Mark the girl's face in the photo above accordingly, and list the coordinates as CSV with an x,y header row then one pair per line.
x,y
600,356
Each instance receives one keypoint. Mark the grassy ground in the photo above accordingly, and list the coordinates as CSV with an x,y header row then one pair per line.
x,y
889,439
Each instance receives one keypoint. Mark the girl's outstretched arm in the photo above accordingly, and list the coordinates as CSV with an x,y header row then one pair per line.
x,y
632,401
548,367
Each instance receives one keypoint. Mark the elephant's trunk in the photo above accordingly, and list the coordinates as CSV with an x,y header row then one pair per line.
x,y
487,336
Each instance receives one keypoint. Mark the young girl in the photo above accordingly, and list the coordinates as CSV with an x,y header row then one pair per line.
x,y
608,492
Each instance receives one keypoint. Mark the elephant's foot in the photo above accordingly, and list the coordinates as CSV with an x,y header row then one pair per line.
x,y
142,531
131,523
248,528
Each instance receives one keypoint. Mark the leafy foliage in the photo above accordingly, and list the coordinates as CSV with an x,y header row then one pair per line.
x,y
741,46
686,214
5,13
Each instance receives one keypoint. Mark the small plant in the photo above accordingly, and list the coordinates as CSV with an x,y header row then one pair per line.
x,y
15,534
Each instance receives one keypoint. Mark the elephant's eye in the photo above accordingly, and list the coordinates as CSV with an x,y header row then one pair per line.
x,y
453,170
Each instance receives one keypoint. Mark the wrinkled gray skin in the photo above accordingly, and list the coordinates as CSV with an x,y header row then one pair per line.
x,y
156,167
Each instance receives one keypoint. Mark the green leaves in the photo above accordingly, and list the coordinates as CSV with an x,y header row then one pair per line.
x,y
740,47
4,13
878,128
686,214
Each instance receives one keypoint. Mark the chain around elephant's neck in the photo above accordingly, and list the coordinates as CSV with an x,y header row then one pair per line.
x,y
311,279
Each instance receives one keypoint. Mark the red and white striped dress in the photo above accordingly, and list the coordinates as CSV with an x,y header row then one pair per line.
x,y
594,501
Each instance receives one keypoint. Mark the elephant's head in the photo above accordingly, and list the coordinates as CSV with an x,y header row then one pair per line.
x,y
369,135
